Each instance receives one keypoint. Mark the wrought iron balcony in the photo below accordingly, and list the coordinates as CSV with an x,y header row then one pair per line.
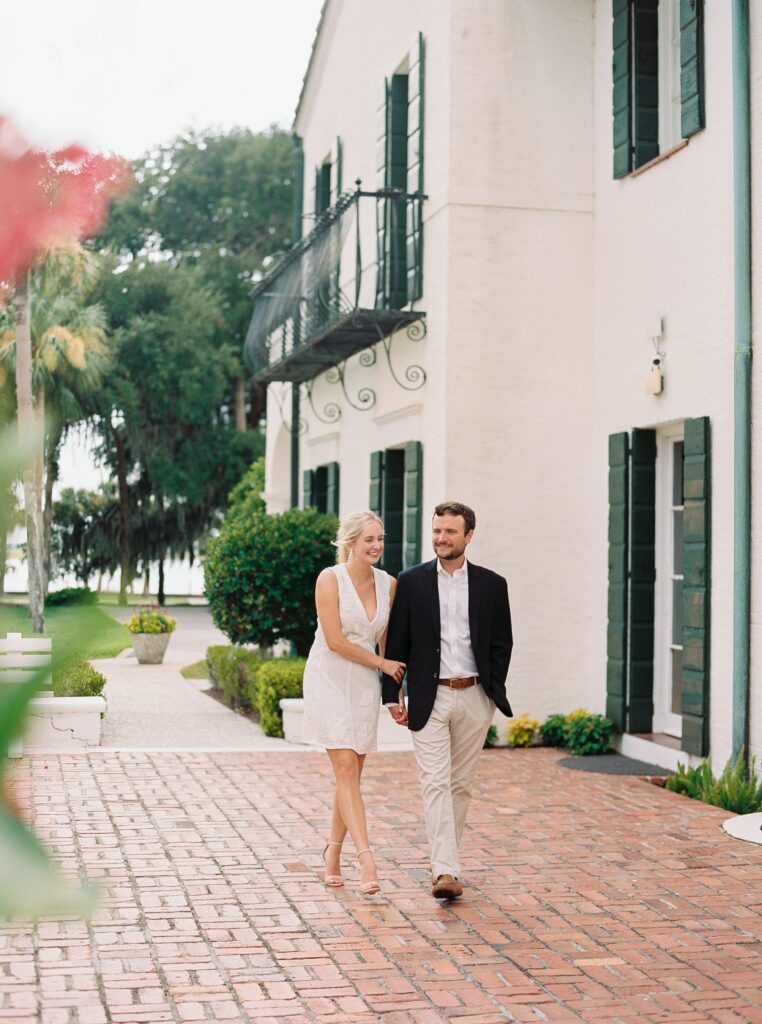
x,y
324,302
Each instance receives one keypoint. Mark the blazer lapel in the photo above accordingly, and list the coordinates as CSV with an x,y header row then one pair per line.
x,y
432,596
474,595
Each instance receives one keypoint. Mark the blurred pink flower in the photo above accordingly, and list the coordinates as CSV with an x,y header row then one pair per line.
x,y
49,198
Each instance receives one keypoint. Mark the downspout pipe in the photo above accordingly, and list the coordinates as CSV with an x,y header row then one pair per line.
x,y
742,378
297,234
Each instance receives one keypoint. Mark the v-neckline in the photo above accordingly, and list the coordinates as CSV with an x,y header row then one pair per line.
x,y
359,599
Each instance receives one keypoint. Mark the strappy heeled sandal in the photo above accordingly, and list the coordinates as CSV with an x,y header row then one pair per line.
x,y
368,888
333,880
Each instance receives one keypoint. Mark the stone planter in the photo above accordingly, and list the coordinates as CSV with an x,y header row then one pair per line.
x,y
150,647
293,714
63,723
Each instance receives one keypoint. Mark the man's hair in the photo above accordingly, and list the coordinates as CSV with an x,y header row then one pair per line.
x,y
454,508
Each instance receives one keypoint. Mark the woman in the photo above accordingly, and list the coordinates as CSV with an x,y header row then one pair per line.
x,y
342,693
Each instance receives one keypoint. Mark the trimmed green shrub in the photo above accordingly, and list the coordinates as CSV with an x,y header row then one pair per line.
x,y
553,731
521,731
490,740
79,679
71,595
275,678
150,620
259,576
588,734
734,790
232,669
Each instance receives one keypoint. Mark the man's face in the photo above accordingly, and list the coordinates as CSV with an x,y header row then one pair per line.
x,y
449,537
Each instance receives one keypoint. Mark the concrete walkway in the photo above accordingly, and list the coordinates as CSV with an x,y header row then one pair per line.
x,y
153,707
590,898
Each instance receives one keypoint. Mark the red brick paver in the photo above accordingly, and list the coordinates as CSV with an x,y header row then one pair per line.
x,y
590,898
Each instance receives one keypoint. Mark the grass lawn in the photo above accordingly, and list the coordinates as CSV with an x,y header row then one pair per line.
x,y
198,670
83,631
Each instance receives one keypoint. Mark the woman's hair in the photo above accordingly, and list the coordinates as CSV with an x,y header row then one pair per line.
x,y
350,528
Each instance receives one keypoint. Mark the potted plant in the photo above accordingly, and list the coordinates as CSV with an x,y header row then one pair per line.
x,y
150,629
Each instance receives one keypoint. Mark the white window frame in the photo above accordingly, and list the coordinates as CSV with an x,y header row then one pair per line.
x,y
670,132
665,720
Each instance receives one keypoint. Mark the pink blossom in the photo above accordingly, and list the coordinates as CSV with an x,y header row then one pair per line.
x,y
49,198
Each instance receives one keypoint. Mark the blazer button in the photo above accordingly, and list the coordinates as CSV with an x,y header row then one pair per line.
x,y
436,674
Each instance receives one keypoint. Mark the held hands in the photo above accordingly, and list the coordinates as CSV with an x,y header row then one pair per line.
x,y
395,669
399,711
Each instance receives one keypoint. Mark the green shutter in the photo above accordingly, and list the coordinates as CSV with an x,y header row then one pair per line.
x,y
307,478
645,114
339,167
642,580
376,500
622,87
393,510
332,491
694,689
616,666
413,502
396,234
414,226
691,67
298,188
382,181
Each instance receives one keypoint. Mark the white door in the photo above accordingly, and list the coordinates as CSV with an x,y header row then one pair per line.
x,y
668,619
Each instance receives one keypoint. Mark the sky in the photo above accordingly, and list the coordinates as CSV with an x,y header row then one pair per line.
x,y
121,77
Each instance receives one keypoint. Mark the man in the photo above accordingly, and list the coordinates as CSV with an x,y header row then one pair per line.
x,y
451,625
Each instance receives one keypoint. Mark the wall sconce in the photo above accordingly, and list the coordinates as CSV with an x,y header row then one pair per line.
x,y
655,377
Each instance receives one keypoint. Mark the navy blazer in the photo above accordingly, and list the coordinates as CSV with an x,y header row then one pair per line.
x,y
414,637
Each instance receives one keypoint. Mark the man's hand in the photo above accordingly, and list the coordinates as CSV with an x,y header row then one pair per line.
x,y
399,712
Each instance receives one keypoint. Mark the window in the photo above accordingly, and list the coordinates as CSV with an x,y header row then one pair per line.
x,y
659,593
400,166
322,187
658,78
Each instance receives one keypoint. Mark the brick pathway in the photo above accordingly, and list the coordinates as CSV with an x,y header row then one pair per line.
x,y
591,898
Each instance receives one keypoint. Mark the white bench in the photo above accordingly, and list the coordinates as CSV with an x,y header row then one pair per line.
x,y
53,723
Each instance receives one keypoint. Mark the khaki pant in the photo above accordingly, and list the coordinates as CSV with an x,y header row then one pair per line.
x,y
446,750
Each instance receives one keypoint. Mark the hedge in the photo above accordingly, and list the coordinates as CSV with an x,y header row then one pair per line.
x,y
230,669
273,679
79,679
256,684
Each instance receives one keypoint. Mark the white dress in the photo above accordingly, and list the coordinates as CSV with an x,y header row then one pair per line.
x,y
341,698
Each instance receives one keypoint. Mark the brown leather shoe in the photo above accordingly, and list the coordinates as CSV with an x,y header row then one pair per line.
x,y
446,887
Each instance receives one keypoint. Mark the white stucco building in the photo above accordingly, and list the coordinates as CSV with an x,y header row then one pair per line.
x,y
490,343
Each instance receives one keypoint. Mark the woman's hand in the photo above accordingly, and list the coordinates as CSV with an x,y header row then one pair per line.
x,y
395,669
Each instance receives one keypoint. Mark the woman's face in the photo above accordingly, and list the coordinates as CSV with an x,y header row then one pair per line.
x,y
369,546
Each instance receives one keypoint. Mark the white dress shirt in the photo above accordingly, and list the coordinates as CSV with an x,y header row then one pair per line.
x,y
456,658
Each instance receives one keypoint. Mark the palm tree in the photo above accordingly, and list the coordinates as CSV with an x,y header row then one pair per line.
x,y
54,340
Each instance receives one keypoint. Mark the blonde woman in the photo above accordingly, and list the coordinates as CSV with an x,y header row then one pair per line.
x,y
342,691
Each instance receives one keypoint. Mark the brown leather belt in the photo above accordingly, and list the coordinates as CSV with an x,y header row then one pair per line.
x,y
460,684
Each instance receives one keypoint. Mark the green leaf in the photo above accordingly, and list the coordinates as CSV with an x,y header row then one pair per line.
x,y
14,700
30,883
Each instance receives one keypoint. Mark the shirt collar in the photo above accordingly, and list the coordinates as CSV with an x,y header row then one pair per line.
x,y
458,574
